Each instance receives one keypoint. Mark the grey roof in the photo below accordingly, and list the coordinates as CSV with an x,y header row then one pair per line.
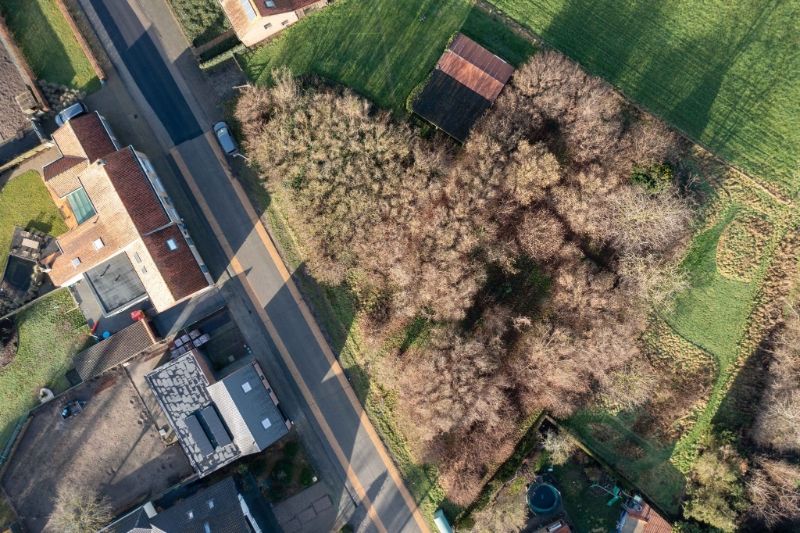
x,y
181,388
246,402
216,509
135,521
114,350
216,428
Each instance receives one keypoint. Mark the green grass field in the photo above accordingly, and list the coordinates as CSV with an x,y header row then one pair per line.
x,y
47,41
25,202
382,49
726,73
51,331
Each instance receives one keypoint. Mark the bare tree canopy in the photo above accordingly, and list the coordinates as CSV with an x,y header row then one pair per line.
x,y
78,510
531,248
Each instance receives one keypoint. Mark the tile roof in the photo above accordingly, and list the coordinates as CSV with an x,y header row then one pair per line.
x,y
135,190
178,268
639,517
62,164
215,509
84,136
282,6
114,350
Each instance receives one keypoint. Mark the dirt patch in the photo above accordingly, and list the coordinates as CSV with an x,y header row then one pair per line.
x,y
9,341
111,447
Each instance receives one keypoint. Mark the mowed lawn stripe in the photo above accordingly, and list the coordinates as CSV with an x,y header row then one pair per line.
x,y
382,48
726,73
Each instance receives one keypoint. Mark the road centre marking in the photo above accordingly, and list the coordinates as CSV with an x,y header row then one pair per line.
x,y
237,268
320,338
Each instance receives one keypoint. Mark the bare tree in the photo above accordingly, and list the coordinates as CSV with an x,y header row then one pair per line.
x,y
78,510
559,446
773,491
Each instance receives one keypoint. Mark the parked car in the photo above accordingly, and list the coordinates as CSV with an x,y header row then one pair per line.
x,y
72,408
68,113
225,138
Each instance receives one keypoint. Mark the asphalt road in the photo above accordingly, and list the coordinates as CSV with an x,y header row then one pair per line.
x,y
141,42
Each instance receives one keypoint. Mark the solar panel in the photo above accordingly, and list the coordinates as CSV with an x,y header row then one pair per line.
x,y
199,435
219,433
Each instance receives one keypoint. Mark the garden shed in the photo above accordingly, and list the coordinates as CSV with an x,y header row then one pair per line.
x,y
465,83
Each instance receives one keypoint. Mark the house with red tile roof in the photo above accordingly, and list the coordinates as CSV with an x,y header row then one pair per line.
x,y
255,20
639,517
126,241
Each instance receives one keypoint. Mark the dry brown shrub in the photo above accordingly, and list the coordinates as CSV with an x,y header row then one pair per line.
x,y
773,492
778,420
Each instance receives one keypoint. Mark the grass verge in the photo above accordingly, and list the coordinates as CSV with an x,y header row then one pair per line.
x,y
382,49
726,73
25,202
48,43
51,331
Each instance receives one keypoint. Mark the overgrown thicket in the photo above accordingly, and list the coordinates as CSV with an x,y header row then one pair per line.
x,y
773,486
535,250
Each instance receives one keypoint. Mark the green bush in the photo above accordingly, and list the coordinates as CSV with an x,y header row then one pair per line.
x,y
224,56
716,492
202,20
653,178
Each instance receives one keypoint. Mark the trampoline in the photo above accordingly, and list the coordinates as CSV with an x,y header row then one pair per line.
x,y
543,499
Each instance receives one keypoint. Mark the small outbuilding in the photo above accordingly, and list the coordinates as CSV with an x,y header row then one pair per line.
x,y
465,83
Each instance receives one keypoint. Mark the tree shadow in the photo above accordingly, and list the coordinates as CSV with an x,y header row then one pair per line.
x,y
42,222
721,80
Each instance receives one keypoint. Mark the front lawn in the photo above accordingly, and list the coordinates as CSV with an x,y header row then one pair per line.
x,y
25,202
726,73
383,48
48,43
51,331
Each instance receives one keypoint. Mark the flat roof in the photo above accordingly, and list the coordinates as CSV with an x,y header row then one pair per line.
x,y
116,283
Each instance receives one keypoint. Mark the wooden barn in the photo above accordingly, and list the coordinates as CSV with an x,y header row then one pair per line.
x,y
465,83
